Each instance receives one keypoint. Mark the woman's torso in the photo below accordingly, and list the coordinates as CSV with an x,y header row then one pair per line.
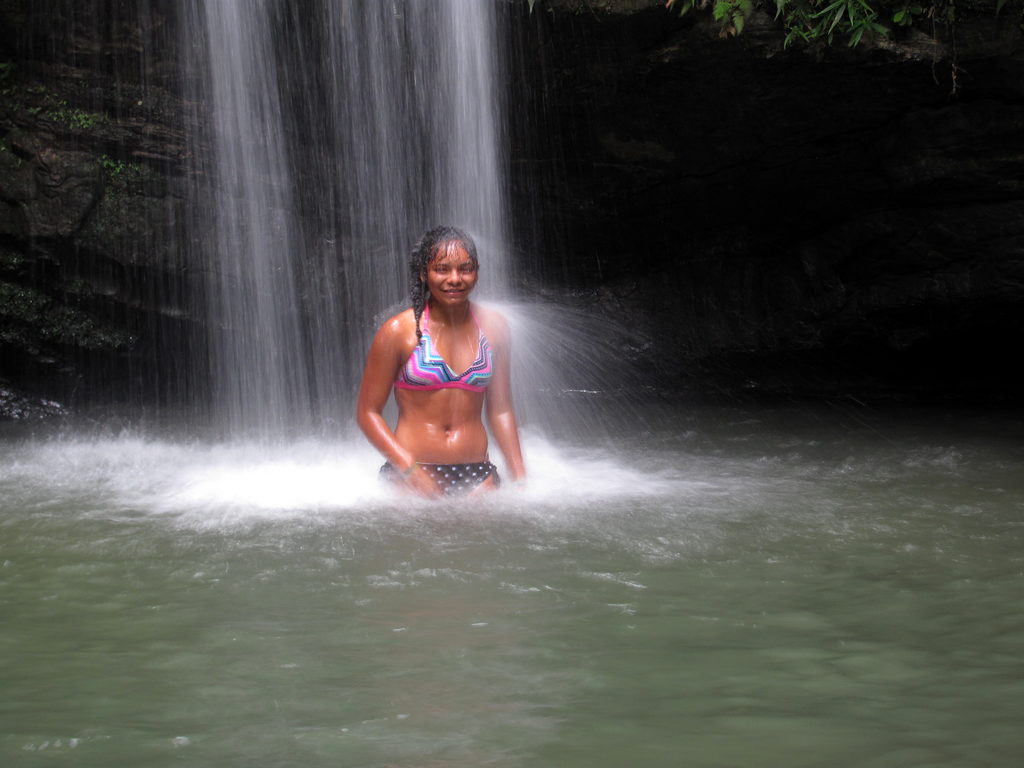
x,y
440,391
442,427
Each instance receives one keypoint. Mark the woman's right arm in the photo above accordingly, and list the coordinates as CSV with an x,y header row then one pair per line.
x,y
382,364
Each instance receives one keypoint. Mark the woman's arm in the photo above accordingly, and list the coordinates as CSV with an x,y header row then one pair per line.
x,y
501,415
382,364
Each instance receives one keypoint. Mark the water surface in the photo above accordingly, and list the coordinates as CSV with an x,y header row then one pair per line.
x,y
713,587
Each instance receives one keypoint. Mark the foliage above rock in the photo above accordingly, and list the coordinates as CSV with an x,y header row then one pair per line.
x,y
808,21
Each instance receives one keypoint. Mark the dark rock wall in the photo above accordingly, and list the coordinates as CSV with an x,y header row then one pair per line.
x,y
94,299
798,220
802,220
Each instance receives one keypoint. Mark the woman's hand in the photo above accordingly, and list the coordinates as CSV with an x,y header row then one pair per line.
x,y
421,483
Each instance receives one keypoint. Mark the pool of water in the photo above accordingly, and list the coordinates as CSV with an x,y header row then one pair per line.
x,y
713,587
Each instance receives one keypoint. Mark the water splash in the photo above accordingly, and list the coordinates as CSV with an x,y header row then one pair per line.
x,y
217,485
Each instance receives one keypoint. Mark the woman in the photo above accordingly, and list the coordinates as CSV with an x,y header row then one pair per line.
x,y
439,445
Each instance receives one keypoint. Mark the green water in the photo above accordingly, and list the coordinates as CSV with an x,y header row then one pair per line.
x,y
742,588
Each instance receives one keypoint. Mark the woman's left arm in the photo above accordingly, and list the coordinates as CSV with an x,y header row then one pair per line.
x,y
501,414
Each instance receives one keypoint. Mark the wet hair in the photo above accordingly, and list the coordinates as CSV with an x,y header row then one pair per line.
x,y
422,254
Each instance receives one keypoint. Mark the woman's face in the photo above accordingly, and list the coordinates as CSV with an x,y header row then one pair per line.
x,y
451,275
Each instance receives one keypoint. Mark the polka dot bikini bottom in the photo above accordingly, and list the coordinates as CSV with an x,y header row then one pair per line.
x,y
453,478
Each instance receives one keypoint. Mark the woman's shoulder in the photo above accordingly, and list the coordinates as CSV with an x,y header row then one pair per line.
x,y
399,323
398,328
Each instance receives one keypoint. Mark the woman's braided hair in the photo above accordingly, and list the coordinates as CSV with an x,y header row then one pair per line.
x,y
422,254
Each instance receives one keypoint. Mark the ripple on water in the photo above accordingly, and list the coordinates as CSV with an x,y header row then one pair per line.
x,y
843,601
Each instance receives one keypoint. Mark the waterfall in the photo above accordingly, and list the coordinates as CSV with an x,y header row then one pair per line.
x,y
327,136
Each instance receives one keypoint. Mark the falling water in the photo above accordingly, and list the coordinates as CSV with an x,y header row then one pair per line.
x,y
333,134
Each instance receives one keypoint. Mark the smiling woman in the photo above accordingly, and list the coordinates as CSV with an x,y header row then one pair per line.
x,y
446,360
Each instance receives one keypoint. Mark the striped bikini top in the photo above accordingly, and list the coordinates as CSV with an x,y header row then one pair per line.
x,y
426,369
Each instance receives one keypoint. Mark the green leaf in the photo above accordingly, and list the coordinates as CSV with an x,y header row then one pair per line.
x,y
837,19
684,6
830,8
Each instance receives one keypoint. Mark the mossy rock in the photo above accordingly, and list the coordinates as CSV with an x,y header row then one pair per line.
x,y
33,321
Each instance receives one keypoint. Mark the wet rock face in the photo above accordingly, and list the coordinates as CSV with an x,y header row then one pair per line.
x,y
91,164
16,406
797,220
47,193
